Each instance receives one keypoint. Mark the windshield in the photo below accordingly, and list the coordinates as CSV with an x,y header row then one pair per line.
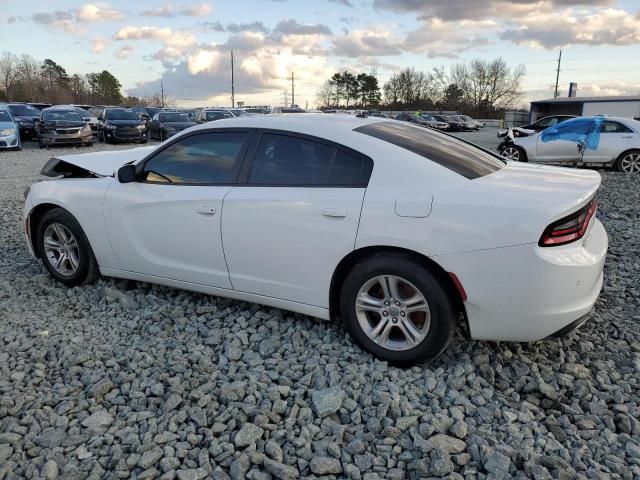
x,y
238,113
120,115
5,117
152,111
428,117
26,110
173,117
64,116
458,156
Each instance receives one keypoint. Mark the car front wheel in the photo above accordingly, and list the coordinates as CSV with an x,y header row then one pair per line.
x,y
64,249
513,153
397,309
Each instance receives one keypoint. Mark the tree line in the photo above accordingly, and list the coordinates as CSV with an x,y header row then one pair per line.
x,y
481,88
24,79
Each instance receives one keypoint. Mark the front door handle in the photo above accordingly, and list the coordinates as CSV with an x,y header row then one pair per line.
x,y
206,210
334,212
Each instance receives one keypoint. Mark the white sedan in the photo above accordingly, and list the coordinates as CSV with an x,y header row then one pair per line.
x,y
599,141
401,232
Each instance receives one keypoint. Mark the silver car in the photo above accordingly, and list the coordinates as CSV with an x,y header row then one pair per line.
x,y
9,132
596,141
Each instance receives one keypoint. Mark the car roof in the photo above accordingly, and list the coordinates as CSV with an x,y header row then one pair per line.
x,y
316,124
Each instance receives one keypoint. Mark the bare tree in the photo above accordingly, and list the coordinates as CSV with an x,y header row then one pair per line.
x,y
9,73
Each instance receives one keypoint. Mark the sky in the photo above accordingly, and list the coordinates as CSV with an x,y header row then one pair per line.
x,y
187,44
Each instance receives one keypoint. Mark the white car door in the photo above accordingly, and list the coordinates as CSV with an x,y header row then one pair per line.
x,y
285,230
559,143
167,223
614,139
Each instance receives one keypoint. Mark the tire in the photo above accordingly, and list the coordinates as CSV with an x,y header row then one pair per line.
x,y
434,323
628,162
514,153
51,225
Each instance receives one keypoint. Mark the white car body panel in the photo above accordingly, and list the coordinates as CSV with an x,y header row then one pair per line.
x,y
267,233
169,232
280,245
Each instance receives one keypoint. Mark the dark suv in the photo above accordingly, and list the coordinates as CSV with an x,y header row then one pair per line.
x,y
120,125
25,115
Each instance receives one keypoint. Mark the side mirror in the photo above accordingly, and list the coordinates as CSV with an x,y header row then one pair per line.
x,y
127,174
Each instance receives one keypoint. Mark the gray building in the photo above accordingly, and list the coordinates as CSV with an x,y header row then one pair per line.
x,y
620,106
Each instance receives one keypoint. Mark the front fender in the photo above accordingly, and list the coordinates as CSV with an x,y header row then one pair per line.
x,y
84,199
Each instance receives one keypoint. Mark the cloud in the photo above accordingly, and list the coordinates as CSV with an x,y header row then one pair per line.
x,y
60,20
169,10
557,29
480,9
291,27
124,51
100,12
171,38
98,44
346,3
437,38
256,26
361,43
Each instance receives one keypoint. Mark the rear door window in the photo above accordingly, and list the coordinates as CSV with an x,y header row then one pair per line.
x,y
458,156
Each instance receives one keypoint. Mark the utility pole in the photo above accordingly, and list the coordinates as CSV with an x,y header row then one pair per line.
x,y
293,91
555,95
286,95
162,93
233,93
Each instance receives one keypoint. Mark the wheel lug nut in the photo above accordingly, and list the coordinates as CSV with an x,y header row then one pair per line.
x,y
386,303
402,314
395,320
398,304
385,313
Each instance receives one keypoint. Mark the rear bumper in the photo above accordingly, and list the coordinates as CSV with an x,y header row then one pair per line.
x,y
569,329
525,292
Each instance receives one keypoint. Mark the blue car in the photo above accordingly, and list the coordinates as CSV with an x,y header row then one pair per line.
x,y
9,131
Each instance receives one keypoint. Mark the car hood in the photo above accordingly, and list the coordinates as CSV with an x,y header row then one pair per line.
x,y
4,125
124,123
103,164
25,117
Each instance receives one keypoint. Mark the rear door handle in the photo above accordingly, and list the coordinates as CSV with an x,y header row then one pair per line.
x,y
206,210
334,212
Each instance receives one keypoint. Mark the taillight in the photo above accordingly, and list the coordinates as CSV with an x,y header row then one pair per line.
x,y
570,228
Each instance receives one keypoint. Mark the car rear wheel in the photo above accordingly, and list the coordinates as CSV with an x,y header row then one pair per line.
x,y
397,309
513,153
65,250
629,162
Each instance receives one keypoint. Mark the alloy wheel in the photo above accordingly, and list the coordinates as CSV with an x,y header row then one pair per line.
x,y
61,249
392,312
511,153
630,163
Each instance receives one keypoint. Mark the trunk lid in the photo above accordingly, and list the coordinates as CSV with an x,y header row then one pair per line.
x,y
98,163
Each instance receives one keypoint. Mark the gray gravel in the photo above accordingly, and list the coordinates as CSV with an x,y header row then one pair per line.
x,y
129,380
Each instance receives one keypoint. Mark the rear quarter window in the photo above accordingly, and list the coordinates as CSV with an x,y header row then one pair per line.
x,y
456,155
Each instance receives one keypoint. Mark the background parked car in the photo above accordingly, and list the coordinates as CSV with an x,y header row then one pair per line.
x,y
408,117
166,123
434,123
613,141
454,124
63,125
24,115
120,125
9,132
473,124
213,114
537,126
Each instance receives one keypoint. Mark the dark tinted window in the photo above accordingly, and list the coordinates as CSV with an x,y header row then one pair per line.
x,y
614,127
284,160
205,159
61,115
24,110
217,115
120,114
462,158
350,169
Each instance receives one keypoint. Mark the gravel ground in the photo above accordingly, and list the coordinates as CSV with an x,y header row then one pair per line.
x,y
130,380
